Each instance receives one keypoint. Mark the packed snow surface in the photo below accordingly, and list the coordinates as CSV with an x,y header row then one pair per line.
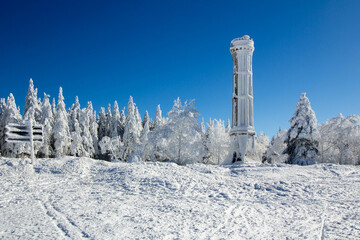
x,y
80,198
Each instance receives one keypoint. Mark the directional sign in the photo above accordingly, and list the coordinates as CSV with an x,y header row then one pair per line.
x,y
21,133
16,133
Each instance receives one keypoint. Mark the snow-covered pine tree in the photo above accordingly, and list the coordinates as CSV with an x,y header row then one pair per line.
x,y
47,121
87,140
76,147
93,127
61,128
131,137
102,124
138,121
146,118
302,137
11,114
73,114
108,120
158,117
53,107
144,137
32,104
115,126
122,122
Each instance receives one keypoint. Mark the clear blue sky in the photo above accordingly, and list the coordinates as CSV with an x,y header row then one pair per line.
x,y
158,50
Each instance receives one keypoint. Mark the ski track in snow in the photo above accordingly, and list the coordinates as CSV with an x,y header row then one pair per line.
x,y
81,198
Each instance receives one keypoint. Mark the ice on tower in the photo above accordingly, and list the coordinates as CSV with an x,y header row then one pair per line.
x,y
242,130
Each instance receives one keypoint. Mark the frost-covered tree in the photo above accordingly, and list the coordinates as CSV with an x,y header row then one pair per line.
x,y
93,127
115,126
144,137
340,140
108,120
61,128
32,104
179,139
73,114
76,147
122,122
102,123
146,118
274,154
87,139
158,121
228,126
262,144
47,121
10,114
111,148
138,121
53,107
131,133
217,143
202,127
302,137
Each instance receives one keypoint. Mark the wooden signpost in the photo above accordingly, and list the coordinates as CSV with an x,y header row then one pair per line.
x,y
22,133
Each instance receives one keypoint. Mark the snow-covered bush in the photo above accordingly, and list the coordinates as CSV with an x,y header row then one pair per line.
x,y
302,137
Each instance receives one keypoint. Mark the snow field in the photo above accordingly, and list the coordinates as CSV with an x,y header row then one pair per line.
x,y
80,198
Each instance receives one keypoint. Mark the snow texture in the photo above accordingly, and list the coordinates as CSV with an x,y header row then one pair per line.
x,y
78,198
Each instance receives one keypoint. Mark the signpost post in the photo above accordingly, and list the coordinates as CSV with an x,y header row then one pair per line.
x,y
24,133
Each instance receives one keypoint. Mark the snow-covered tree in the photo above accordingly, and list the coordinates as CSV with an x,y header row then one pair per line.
x,y
111,148
217,143
93,127
138,121
102,124
262,144
158,117
108,120
61,128
131,133
228,126
340,140
53,107
87,138
179,139
73,114
302,137
115,126
32,104
47,121
76,147
122,122
10,114
144,137
274,154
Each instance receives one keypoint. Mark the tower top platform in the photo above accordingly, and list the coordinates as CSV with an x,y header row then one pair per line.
x,y
243,41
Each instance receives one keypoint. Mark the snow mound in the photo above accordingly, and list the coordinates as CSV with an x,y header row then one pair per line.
x,y
84,198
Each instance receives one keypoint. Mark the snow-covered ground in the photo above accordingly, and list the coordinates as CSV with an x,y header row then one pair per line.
x,y
83,198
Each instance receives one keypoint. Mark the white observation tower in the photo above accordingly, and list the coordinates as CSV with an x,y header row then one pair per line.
x,y
242,131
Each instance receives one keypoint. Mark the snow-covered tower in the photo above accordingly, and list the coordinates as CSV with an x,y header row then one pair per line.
x,y
242,130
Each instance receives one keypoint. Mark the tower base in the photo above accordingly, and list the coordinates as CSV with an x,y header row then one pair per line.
x,y
241,144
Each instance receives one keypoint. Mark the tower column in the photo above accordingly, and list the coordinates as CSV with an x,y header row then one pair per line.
x,y
242,131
